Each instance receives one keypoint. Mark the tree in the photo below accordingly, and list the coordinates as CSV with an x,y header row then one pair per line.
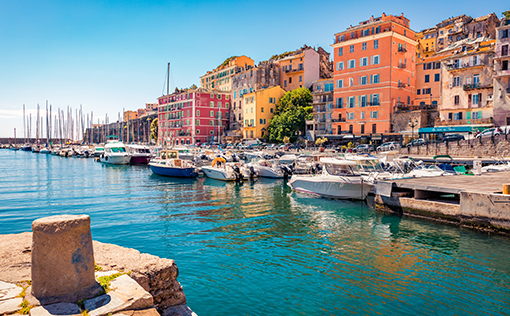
x,y
293,109
154,130
506,14
321,141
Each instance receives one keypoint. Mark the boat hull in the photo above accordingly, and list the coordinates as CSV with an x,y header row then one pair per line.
x,y
217,174
344,188
115,160
140,160
174,172
267,172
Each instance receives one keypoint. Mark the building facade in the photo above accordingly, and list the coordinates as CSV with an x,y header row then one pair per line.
x,y
221,77
193,116
323,105
299,69
265,75
258,109
374,73
467,84
502,74
130,115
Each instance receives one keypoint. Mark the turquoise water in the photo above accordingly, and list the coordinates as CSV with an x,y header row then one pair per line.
x,y
259,249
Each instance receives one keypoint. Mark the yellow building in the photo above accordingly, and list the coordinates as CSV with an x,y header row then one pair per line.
x,y
258,109
221,77
130,115
426,42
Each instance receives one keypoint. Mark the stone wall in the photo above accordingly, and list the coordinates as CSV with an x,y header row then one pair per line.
x,y
463,148
400,121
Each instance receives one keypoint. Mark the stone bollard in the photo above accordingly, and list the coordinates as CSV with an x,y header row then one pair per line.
x,y
63,259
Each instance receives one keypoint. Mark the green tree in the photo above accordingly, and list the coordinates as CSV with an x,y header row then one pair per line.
x,y
154,130
506,14
293,109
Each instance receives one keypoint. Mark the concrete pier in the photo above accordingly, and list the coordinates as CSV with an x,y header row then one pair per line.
x,y
468,201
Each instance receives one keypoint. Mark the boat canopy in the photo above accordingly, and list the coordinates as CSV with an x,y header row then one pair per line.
x,y
335,161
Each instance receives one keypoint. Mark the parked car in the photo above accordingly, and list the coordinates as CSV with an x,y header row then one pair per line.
x,y
417,142
363,149
505,129
388,146
489,132
452,138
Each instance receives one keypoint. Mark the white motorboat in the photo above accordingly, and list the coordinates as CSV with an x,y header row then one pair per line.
x,y
271,169
98,151
287,159
115,153
45,150
340,179
228,171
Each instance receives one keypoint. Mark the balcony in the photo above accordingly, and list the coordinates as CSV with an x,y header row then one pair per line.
x,y
402,107
464,122
294,70
402,66
338,120
453,67
401,85
402,50
474,86
320,109
501,73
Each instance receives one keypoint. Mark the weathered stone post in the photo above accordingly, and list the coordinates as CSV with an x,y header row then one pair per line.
x,y
63,259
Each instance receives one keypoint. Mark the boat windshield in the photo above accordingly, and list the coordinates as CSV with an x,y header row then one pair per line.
x,y
369,165
118,149
340,170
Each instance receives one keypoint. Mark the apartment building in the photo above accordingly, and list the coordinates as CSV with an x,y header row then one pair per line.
x,y
221,77
258,109
193,116
467,83
374,73
299,69
502,74
265,75
323,105
130,115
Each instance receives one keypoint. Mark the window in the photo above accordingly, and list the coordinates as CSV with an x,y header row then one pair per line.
x,y
340,65
427,78
504,65
340,83
211,113
300,78
339,103
227,105
341,49
363,101
211,104
290,79
235,94
329,87
351,82
504,33
351,63
364,46
504,50
457,100
363,61
436,77
219,105
262,110
374,114
457,82
376,60
374,78
351,102
374,128
374,99
272,110
363,80
198,131
476,99
285,83
376,44
418,92
351,49
198,112
476,79
438,65
350,116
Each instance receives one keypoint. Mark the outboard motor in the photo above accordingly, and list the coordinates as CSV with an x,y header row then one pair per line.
x,y
235,158
237,172
252,172
318,167
203,157
287,172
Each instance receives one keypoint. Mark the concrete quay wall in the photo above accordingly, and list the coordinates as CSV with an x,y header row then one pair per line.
x,y
158,276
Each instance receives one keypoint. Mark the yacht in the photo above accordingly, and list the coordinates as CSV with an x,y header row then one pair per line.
x,y
340,179
270,169
140,154
115,153
220,169
169,164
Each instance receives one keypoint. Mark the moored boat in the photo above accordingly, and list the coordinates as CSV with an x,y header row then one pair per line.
x,y
115,153
170,165
140,154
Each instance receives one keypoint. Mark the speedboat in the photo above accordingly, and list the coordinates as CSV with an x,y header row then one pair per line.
x,y
98,150
271,169
288,159
340,179
228,171
169,164
115,153
140,154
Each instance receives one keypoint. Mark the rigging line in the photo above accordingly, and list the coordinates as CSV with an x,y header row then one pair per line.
x,y
164,83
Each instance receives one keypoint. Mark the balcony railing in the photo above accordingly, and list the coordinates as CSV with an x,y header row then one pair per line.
x,y
451,67
338,120
401,85
402,107
294,70
402,50
473,86
402,66
464,122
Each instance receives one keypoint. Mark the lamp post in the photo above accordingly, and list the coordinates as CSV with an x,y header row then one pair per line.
x,y
413,125
148,131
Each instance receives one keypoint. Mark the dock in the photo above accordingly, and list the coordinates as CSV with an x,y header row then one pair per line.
x,y
468,201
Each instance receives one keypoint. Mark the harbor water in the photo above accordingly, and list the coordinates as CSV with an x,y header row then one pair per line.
x,y
257,248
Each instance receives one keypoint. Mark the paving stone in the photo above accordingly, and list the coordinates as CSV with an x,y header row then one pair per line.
x,y
61,309
10,306
9,290
125,294
178,310
143,312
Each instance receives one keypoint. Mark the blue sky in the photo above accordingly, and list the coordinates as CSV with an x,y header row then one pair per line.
x,y
110,55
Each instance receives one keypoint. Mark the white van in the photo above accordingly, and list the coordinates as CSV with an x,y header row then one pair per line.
x,y
505,129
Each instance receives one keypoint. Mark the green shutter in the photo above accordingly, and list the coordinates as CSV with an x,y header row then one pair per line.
x,y
468,115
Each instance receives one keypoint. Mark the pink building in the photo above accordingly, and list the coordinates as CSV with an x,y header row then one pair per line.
x,y
192,116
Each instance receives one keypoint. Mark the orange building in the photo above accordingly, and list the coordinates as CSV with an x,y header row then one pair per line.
x,y
374,73
130,115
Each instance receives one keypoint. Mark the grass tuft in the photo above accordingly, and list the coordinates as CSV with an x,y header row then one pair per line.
x,y
104,281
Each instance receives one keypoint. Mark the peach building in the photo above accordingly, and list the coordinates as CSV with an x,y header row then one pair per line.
x,y
299,70
130,115
221,77
374,73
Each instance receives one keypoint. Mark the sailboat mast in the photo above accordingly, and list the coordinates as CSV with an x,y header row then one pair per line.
x,y
24,125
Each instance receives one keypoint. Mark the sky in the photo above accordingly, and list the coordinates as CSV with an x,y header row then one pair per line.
x,y
107,56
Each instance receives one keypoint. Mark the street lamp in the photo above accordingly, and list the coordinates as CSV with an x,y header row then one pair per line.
x,y
148,130
413,125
